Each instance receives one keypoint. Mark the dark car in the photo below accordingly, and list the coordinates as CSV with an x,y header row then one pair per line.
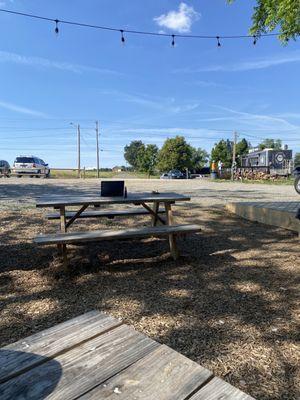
x,y
4,168
176,174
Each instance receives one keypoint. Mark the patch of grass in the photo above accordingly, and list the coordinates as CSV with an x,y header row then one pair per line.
x,y
281,181
72,173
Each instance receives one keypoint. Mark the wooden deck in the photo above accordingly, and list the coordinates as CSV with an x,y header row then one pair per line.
x,y
95,356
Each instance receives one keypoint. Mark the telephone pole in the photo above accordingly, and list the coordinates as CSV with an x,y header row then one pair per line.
x,y
97,148
235,135
78,150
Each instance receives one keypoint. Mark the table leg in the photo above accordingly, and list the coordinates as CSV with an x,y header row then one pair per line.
x,y
63,228
155,211
172,239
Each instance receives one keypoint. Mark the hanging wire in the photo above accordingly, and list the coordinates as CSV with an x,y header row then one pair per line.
x,y
254,40
122,36
56,30
173,41
218,41
136,32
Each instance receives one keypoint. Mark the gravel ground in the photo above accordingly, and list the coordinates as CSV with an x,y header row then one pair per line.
x,y
230,302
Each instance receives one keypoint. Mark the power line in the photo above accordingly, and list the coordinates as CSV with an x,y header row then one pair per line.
x,y
59,22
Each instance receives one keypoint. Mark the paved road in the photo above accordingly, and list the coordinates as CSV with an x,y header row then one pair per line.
x,y
22,192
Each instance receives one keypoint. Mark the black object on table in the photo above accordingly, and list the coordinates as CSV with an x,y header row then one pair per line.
x,y
112,188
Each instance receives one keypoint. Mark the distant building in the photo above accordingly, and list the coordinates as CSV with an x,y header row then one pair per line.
x,y
118,169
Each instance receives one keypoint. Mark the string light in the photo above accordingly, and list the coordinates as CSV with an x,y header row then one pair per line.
x,y
122,36
56,30
173,40
136,32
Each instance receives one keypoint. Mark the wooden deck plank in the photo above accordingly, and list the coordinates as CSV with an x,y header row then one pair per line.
x,y
218,389
80,369
22,355
103,214
75,237
163,374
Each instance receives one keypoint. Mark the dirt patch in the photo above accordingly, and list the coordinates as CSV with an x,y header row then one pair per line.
x,y
229,303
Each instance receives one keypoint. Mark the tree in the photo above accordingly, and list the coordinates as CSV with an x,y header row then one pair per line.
x,y
242,148
222,151
131,152
270,144
270,14
175,153
297,160
147,158
199,158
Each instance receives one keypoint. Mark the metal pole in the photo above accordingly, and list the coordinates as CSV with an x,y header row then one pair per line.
x,y
97,148
233,155
78,149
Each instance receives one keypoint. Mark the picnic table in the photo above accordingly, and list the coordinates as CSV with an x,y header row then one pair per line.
x,y
95,356
67,218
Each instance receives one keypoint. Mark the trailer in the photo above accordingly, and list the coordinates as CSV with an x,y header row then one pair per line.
x,y
268,161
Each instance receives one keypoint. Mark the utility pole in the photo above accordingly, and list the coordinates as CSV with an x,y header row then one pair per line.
x,y
235,135
78,150
97,148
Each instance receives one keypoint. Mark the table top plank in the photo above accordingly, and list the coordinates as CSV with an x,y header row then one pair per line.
x,y
19,356
132,198
219,389
163,374
80,369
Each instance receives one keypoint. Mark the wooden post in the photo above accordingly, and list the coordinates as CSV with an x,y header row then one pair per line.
x,y
78,151
97,148
233,155
155,210
62,211
172,239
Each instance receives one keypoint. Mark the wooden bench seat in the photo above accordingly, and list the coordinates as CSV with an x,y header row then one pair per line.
x,y
103,214
133,233
62,239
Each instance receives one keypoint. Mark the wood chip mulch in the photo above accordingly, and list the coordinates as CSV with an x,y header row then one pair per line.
x,y
230,302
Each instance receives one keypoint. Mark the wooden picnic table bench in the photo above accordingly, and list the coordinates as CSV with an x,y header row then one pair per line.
x,y
67,218
95,356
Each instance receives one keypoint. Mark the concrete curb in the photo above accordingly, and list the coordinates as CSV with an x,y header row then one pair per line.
x,y
276,214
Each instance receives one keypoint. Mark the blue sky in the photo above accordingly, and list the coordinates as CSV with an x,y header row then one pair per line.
x,y
145,89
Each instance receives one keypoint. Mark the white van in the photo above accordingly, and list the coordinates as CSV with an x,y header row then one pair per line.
x,y
32,166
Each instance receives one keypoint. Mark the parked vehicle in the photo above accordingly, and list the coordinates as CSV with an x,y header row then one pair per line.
x,y
296,174
5,168
176,174
165,176
32,166
173,174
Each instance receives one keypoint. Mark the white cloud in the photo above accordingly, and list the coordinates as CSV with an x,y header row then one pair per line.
x,y
180,21
46,63
261,121
247,65
22,110
166,105
5,3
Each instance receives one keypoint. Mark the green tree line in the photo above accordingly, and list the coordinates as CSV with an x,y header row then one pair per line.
x,y
175,153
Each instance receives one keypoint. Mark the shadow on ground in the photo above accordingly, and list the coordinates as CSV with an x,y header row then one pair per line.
x,y
228,303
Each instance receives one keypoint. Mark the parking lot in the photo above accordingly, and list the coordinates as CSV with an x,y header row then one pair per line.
x,y
21,192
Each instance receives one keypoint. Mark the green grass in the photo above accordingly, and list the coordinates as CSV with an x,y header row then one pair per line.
x,y
71,174
281,181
